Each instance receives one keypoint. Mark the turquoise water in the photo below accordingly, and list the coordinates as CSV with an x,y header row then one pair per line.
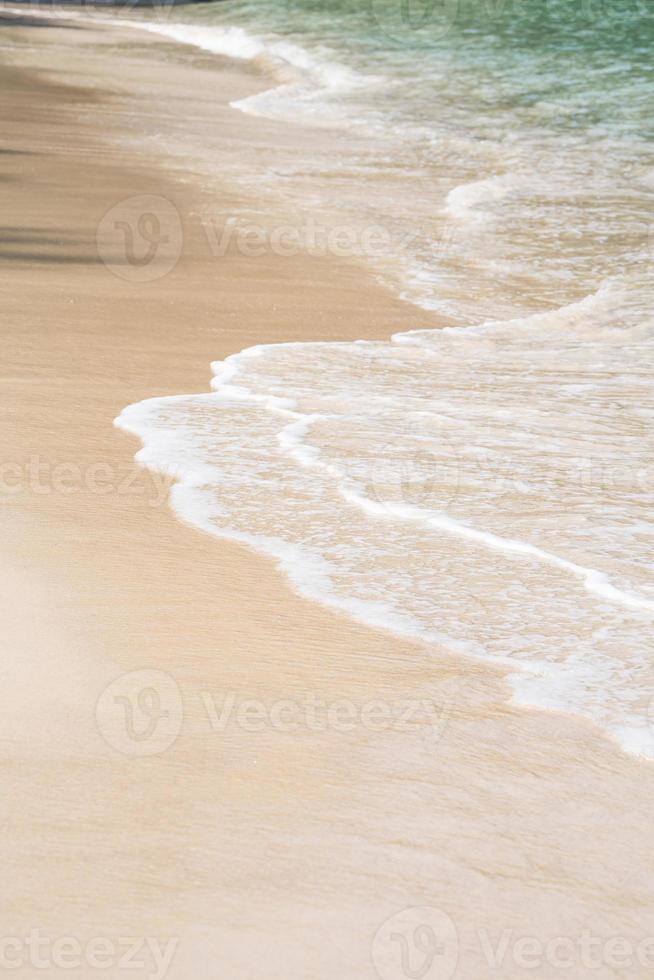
x,y
486,488
581,63
510,149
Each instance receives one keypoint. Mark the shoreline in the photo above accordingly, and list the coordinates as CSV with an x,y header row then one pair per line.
x,y
252,840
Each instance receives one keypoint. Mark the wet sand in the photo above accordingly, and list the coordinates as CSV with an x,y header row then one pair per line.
x,y
266,841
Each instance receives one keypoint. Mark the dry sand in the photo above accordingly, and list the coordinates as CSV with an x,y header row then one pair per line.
x,y
269,852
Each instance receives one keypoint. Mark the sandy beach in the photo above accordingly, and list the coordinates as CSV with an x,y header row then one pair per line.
x,y
312,778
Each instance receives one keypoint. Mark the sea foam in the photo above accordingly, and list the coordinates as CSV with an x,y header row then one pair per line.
x,y
304,76
486,492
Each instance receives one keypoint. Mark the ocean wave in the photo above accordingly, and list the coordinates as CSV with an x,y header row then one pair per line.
x,y
485,489
232,42
303,74
467,200
513,526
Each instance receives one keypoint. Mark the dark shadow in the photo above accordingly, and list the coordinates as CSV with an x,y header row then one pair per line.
x,y
17,20
37,236
48,258
22,230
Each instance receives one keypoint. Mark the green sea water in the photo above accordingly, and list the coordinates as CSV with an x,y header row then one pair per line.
x,y
585,63
518,133
486,488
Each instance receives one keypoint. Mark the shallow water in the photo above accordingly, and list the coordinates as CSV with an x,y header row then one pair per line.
x,y
509,160
486,488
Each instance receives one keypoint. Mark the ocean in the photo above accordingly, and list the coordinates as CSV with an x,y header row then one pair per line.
x,y
486,487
